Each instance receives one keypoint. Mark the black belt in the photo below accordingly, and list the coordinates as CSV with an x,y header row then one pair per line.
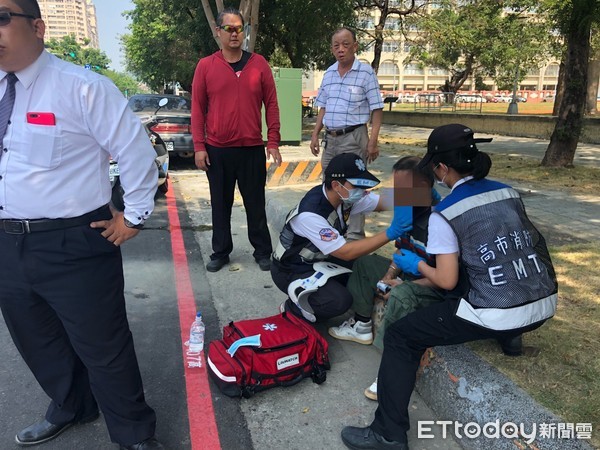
x,y
23,226
341,131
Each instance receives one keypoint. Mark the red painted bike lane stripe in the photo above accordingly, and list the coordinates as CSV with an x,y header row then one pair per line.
x,y
203,426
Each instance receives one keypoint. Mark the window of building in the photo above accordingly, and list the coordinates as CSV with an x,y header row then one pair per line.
x,y
388,68
391,23
366,23
413,69
390,46
437,71
551,70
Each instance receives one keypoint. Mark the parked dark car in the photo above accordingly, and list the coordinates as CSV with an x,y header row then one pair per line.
x,y
162,163
173,120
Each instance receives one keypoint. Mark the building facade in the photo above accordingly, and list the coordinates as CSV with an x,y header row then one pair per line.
x,y
66,17
395,75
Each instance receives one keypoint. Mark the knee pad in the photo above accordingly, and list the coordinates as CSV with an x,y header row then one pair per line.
x,y
299,290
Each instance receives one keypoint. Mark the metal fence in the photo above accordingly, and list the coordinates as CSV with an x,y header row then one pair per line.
x,y
448,101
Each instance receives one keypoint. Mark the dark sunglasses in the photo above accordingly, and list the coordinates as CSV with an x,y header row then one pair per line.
x,y
230,28
6,17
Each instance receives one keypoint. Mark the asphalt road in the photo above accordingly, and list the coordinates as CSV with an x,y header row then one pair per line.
x,y
154,319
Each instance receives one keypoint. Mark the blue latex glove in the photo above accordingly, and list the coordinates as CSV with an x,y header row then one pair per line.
x,y
435,196
408,262
401,223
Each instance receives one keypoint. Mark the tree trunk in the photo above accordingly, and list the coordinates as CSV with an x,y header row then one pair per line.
x,y
457,79
253,24
210,18
377,48
591,106
564,139
560,87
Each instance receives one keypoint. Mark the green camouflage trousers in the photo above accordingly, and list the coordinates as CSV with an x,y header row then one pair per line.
x,y
404,299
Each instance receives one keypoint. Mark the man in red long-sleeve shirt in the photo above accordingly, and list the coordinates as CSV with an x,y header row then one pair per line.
x,y
228,91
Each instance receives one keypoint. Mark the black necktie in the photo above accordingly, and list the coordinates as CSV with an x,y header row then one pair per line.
x,y
6,104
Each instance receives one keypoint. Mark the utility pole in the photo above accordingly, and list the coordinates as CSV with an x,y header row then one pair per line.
x,y
513,107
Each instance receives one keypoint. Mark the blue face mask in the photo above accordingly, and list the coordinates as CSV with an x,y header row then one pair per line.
x,y
354,195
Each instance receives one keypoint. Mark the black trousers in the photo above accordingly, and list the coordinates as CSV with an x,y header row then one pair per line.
x,y
330,300
247,167
405,342
61,295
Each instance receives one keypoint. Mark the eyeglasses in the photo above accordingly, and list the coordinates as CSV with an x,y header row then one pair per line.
x,y
231,28
6,17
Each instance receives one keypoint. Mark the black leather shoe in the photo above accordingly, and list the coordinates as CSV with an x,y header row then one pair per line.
x,y
264,264
217,264
148,444
43,430
364,439
513,346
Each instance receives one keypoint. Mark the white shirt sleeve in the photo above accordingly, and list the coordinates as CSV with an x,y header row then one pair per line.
x,y
318,231
441,239
366,204
126,140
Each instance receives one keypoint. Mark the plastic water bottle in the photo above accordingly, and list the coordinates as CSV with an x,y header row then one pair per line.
x,y
196,342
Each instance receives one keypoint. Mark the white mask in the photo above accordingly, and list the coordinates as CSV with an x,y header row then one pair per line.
x,y
440,182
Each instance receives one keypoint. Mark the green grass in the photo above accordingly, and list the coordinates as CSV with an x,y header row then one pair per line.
x,y
543,108
565,376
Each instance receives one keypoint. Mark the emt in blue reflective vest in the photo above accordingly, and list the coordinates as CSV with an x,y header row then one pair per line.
x,y
491,261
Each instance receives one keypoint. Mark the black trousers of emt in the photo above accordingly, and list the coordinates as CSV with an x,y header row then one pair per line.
x,y
61,295
247,166
330,300
405,342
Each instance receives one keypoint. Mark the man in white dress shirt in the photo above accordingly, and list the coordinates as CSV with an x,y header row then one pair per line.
x,y
61,273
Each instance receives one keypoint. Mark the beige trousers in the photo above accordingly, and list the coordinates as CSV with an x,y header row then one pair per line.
x,y
354,142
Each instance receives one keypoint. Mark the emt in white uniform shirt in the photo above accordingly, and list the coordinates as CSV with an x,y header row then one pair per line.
x,y
314,231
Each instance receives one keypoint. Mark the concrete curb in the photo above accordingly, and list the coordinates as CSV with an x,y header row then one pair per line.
x,y
461,387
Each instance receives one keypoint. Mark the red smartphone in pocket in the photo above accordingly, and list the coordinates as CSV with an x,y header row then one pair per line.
x,y
41,118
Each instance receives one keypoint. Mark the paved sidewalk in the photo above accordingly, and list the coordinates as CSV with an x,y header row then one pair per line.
x,y
305,416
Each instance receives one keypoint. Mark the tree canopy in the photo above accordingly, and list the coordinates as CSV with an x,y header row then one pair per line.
x,y
69,49
167,38
479,38
389,19
164,42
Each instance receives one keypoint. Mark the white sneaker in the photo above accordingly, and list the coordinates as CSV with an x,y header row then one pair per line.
x,y
351,330
371,391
